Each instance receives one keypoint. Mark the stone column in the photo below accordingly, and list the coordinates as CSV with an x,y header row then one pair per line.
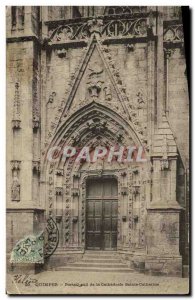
x,y
22,201
162,230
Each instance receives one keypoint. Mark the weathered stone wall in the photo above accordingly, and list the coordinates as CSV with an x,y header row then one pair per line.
x,y
58,77
19,139
178,108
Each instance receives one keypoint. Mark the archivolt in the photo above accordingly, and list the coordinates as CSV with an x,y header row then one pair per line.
x,y
94,120
92,125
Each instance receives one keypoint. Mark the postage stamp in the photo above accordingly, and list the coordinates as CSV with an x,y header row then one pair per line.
x,y
29,250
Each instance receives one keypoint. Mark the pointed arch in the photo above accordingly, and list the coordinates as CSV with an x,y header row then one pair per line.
x,y
124,104
97,118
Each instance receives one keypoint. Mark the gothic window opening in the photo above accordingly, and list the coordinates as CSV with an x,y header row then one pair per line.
x,y
75,12
13,15
17,15
20,17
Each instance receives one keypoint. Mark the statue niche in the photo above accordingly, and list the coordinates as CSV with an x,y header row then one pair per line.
x,y
15,187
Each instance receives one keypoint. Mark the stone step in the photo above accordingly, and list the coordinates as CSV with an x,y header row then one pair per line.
x,y
100,260
96,256
100,251
107,253
86,265
92,269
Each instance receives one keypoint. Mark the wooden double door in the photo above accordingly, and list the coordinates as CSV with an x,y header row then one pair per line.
x,y
101,214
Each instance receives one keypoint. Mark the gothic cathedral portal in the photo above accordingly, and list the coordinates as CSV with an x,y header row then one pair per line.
x,y
89,77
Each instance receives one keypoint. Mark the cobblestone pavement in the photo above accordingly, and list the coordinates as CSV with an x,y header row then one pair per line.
x,y
72,282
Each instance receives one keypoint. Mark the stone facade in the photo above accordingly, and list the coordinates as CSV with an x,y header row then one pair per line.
x,y
89,76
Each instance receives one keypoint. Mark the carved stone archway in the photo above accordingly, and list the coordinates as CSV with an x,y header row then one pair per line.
x,y
96,125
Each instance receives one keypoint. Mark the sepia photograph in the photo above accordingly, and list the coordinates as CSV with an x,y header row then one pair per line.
x,y
97,150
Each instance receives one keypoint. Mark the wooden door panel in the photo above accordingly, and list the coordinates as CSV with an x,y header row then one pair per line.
x,y
107,189
114,190
107,208
94,224
97,241
114,208
107,225
98,208
90,224
90,240
114,224
114,241
90,208
106,240
97,225
95,189
102,211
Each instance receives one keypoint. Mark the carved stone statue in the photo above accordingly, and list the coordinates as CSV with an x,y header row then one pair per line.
x,y
108,95
95,26
15,188
94,81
